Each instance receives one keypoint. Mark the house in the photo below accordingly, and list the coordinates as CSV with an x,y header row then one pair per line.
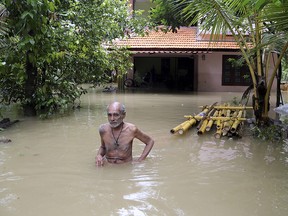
x,y
186,60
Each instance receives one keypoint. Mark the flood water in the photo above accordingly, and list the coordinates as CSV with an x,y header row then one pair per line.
x,y
48,168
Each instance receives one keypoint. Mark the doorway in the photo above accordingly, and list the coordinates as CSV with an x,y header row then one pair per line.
x,y
174,73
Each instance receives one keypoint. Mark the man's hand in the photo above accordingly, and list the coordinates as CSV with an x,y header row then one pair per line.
x,y
137,160
99,160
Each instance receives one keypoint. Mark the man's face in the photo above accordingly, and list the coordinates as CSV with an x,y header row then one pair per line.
x,y
115,117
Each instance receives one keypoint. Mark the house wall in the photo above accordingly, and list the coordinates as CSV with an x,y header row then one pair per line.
x,y
209,73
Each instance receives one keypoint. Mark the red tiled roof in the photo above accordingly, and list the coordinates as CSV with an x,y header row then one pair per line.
x,y
185,39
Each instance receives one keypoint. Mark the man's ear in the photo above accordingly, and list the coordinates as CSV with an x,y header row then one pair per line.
x,y
124,115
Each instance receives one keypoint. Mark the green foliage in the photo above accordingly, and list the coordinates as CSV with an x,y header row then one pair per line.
x,y
54,46
166,13
235,101
273,133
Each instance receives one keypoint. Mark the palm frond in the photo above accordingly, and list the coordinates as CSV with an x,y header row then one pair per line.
x,y
275,16
3,27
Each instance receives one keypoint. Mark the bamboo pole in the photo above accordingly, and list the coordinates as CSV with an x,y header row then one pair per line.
x,y
224,112
215,118
185,127
233,107
209,110
227,124
192,120
181,128
236,122
211,121
227,119
178,127
203,127
219,126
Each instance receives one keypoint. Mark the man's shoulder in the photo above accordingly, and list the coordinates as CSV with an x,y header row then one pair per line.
x,y
130,126
103,127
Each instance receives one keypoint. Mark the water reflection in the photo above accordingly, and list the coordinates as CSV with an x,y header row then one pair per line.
x,y
48,168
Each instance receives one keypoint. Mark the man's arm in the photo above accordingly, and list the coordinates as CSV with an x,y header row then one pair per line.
x,y
102,150
147,140
100,155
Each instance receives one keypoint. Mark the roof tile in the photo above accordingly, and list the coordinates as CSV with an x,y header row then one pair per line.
x,y
186,38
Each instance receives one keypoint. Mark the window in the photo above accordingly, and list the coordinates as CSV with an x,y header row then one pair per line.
x,y
234,75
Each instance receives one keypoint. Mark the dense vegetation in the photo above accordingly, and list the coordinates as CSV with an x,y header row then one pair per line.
x,y
49,47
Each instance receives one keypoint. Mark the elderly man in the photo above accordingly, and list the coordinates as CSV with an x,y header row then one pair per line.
x,y
117,138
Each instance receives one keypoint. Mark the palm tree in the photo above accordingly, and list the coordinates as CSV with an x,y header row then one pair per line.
x,y
3,25
259,28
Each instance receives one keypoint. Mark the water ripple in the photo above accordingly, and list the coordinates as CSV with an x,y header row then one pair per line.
x,y
9,176
9,198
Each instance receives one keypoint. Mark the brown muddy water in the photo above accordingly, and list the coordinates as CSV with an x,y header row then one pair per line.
x,y
48,168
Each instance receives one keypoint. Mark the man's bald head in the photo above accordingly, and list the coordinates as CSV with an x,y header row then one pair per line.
x,y
118,106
